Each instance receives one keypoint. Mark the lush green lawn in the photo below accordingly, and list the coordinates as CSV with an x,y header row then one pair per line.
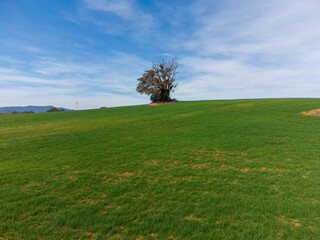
x,y
244,169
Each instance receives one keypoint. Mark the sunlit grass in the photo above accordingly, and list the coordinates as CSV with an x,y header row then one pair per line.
x,y
242,169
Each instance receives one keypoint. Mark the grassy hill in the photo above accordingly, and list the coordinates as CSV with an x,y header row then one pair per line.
x,y
240,169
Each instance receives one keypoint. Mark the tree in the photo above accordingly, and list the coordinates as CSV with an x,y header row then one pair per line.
x,y
54,109
159,81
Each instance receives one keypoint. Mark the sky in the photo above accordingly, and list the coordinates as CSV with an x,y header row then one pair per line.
x,y
92,51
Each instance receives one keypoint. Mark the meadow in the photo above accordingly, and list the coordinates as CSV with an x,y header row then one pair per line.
x,y
231,169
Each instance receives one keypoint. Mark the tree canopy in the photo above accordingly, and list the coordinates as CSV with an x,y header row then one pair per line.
x,y
159,81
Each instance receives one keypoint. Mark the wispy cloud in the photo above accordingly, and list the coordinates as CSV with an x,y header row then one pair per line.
x,y
131,17
274,29
96,49
62,97
52,79
220,79
253,49
121,8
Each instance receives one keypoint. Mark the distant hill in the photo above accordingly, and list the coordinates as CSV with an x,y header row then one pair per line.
x,y
35,109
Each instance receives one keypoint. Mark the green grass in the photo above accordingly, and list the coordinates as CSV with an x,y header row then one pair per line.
x,y
241,169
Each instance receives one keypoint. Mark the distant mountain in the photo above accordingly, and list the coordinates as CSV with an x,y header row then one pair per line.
x,y
35,109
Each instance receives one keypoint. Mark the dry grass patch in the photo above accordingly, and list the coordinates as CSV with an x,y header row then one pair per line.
x,y
90,235
314,112
161,103
201,165
234,181
217,154
193,218
291,221
228,167
151,162
88,201
246,169
70,174
114,237
123,229
274,169
114,207
139,237
118,177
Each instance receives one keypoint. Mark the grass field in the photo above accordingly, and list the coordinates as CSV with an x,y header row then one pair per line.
x,y
240,169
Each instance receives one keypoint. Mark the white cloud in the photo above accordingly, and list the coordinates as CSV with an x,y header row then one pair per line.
x,y
63,98
245,49
227,49
110,81
253,27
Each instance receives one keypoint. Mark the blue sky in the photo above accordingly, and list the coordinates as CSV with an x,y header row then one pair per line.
x,y
93,51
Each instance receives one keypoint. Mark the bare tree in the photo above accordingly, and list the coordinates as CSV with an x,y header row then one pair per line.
x,y
159,81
